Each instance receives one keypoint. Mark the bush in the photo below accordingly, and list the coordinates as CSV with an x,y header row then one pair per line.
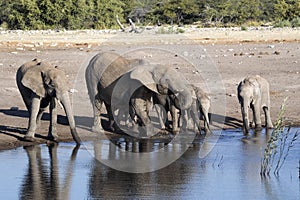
x,y
295,22
244,28
281,24
169,30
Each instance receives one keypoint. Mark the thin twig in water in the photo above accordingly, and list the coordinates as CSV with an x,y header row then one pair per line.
x,y
291,144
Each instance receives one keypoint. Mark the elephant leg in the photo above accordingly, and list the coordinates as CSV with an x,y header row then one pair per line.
x,y
175,118
39,117
161,116
196,121
140,107
35,107
206,122
268,117
134,118
97,105
110,115
52,133
43,106
256,116
185,118
204,111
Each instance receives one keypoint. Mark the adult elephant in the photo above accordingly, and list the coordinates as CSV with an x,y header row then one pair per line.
x,y
127,84
41,85
253,92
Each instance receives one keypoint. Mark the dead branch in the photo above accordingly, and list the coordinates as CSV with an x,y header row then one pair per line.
x,y
120,24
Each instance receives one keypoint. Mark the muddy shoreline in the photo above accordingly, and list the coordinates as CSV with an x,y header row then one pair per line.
x,y
274,54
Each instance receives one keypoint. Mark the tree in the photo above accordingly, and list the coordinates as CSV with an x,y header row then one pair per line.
x,y
286,9
248,10
105,11
182,11
75,14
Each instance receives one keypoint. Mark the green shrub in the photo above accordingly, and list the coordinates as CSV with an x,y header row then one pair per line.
x,y
244,28
295,22
283,23
169,30
180,30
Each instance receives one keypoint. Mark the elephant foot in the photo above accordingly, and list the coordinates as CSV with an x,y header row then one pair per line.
x,y
97,129
245,131
207,132
176,131
258,127
53,137
29,138
270,126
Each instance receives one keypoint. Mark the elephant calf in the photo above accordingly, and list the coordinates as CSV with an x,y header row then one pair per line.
x,y
41,85
200,103
253,92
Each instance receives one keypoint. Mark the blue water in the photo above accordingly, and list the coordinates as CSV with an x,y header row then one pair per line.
x,y
231,170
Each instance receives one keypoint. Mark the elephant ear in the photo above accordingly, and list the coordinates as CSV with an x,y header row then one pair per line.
x,y
33,80
145,77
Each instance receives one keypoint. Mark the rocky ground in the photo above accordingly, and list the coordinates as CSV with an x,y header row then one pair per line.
x,y
216,59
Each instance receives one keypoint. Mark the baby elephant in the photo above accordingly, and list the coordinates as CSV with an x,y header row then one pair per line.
x,y
200,105
203,105
253,92
41,85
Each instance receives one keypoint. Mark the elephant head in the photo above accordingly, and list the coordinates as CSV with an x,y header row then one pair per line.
x,y
164,80
46,80
49,82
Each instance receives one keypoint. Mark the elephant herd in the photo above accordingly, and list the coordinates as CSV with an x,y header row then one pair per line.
x,y
129,89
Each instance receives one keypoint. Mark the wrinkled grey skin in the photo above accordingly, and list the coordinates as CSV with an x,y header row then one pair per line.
x,y
169,103
119,82
202,105
42,85
253,92
165,104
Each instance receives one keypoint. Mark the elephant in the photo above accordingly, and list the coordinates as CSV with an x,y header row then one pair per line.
x,y
164,104
253,92
201,103
128,84
41,85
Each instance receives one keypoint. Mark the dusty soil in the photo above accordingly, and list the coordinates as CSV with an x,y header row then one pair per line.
x,y
222,58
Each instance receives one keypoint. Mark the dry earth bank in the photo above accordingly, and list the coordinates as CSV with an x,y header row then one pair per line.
x,y
272,53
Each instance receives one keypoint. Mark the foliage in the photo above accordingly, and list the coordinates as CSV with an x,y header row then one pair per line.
x,y
169,30
279,145
101,14
295,22
284,23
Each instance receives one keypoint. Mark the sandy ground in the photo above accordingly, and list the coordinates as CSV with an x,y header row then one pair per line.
x,y
215,59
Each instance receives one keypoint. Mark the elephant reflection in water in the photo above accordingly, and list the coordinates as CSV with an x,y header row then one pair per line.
x,y
40,182
108,183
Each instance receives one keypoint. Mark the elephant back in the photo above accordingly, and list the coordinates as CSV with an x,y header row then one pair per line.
x,y
107,67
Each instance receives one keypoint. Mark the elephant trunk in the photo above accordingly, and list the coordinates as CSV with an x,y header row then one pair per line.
x,y
65,100
245,116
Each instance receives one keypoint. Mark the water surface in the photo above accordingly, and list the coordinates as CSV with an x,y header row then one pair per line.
x,y
230,171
